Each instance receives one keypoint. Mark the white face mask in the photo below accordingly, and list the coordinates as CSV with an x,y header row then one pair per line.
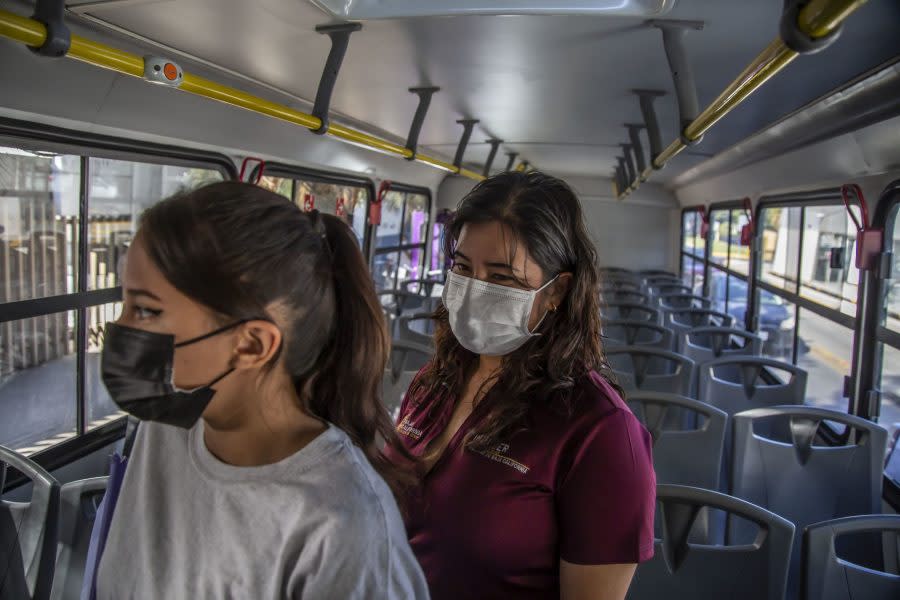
x,y
487,318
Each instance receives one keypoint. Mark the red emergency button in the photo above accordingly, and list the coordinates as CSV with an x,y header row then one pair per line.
x,y
170,71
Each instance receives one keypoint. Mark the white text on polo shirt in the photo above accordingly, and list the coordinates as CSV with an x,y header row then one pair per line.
x,y
406,428
498,454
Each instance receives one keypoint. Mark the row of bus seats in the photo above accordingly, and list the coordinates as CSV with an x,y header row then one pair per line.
x,y
749,504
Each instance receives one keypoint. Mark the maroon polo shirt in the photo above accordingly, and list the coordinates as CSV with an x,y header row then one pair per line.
x,y
575,486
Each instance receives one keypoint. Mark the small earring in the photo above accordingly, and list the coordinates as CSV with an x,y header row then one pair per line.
x,y
552,308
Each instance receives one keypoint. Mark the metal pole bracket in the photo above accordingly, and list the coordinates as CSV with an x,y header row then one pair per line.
x,y
425,94
511,162
634,130
795,38
468,126
673,32
495,145
59,38
340,39
651,122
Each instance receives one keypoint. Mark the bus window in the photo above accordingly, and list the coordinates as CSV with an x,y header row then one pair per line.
x,y
718,237
401,239
890,400
693,249
40,216
828,273
738,255
279,185
346,201
825,350
780,245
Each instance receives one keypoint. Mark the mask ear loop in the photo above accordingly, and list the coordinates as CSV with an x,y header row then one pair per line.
x,y
212,333
544,316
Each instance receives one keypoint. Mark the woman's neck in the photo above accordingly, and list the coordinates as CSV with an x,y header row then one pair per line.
x,y
269,431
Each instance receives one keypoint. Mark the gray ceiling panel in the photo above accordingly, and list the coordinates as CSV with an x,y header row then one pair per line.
x,y
556,88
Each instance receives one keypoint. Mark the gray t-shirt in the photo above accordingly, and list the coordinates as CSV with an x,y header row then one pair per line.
x,y
319,524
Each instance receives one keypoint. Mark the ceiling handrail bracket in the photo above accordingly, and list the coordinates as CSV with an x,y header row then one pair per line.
x,y
340,39
51,14
468,126
682,75
425,94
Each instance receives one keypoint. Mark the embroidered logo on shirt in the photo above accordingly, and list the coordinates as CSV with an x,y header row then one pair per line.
x,y
406,428
498,454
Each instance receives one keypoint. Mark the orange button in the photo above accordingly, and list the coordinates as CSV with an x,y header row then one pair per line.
x,y
170,71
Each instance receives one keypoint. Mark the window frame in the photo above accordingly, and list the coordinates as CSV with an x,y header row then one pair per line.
x,y
294,172
405,189
802,200
730,206
697,209
36,136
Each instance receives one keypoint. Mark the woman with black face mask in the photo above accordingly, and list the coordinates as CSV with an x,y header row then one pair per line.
x,y
252,346
536,479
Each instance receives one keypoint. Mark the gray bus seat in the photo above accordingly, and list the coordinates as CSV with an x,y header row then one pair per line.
x,y
803,482
403,303
737,383
394,388
629,311
28,533
685,570
656,280
678,301
825,576
408,356
703,344
664,289
626,296
683,456
79,501
423,287
657,273
620,283
416,328
681,321
651,370
636,333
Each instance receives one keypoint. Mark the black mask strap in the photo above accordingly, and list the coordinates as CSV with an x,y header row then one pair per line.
x,y
220,377
212,334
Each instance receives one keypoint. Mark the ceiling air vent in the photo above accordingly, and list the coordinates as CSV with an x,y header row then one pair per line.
x,y
362,10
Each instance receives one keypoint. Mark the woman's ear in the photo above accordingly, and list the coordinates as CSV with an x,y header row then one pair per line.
x,y
558,291
258,342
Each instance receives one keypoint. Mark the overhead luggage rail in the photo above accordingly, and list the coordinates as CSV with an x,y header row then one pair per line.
x,y
33,33
804,29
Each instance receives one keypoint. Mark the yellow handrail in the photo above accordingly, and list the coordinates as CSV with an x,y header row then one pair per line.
x,y
817,19
34,33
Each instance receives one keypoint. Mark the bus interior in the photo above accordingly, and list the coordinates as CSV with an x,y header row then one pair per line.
x,y
737,163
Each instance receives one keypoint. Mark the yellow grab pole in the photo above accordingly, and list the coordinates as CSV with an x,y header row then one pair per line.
x,y
34,33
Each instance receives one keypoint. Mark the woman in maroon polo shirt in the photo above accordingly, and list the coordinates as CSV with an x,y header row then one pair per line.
x,y
536,479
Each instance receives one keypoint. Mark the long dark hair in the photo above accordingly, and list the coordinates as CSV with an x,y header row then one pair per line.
x,y
239,249
545,215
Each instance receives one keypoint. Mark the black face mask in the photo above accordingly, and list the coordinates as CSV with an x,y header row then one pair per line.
x,y
137,368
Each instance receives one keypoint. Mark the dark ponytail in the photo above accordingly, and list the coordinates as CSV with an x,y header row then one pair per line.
x,y
242,250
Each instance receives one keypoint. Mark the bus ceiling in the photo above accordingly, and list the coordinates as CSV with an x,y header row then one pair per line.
x,y
510,109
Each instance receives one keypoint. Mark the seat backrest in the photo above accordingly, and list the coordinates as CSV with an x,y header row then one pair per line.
x,y
394,388
683,570
825,576
423,287
658,273
703,344
680,301
416,328
682,455
628,296
637,333
79,501
683,320
620,283
737,383
655,280
408,356
404,303
28,533
651,370
629,311
802,482
662,289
